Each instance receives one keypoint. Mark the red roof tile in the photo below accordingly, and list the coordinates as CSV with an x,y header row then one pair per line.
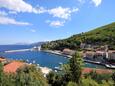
x,y
99,71
12,67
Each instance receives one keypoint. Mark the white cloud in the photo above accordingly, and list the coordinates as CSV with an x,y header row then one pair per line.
x,y
18,6
33,30
7,20
96,2
64,13
55,23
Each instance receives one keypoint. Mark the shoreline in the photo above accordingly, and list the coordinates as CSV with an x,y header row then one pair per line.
x,y
56,53
108,66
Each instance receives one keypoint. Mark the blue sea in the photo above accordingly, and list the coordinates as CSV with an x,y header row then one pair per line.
x,y
38,57
14,47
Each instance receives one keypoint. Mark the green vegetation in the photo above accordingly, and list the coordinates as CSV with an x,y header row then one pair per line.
x,y
71,75
113,77
27,76
76,68
99,77
104,35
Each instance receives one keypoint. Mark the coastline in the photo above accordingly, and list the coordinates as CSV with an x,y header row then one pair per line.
x,y
108,66
57,53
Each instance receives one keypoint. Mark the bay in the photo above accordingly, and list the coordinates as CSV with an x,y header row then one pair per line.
x,y
38,57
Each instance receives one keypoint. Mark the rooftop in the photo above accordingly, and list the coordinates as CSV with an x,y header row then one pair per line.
x,y
13,66
99,71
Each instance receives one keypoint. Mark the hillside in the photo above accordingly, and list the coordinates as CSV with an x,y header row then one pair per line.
x,y
104,35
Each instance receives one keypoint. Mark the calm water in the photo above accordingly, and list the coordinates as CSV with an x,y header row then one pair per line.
x,y
41,58
14,47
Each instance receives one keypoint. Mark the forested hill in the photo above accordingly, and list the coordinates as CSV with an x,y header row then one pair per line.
x,y
104,35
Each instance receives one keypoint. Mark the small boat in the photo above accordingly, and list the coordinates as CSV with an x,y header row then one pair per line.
x,y
30,63
55,70
60,63
34,62
37,64
110,66
107,65
27,60
58,68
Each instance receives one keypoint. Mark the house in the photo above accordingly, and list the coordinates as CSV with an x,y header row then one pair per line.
x,y
13,66
99,71
100,53
88,54
111,54
68,51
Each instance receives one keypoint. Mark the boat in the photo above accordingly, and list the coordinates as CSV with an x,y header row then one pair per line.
x,y
27,60
34,62
58,68
110,66
60,63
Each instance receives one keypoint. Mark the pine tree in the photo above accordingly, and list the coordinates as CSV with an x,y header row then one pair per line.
x,y
76,67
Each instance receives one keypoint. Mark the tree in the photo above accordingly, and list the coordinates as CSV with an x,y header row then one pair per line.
x,y
54,79
89,82
72,84
72,71
1,74
76,67
30,76
113,77
51,77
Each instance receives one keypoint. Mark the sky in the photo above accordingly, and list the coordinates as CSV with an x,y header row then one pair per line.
x,y
29,21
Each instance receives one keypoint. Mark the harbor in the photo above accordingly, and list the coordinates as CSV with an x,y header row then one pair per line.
x,y
109,66
57,53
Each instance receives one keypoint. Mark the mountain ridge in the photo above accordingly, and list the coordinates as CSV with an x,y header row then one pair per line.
x,y
104,35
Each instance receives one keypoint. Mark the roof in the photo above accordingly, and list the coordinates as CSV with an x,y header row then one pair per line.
x,y
89,52
13,66
66,49
111,51
99,71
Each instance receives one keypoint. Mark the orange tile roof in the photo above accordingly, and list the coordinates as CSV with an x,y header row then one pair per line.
x,y
13,66
99,71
